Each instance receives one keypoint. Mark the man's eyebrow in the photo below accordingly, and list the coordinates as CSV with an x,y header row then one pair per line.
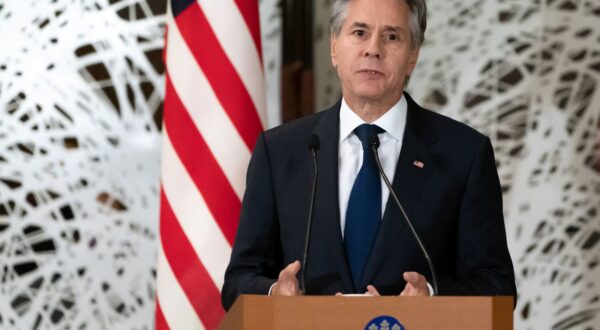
x,y
392,28
360,25
367,26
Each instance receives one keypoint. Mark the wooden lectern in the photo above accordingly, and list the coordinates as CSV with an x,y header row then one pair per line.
x,y
326,312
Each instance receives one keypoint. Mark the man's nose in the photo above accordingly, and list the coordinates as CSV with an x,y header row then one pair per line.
x,y
373,47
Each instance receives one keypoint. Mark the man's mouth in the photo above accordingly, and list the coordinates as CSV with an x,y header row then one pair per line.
x,y
371,72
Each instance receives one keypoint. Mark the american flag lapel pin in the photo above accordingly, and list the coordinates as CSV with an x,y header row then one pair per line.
x,y
418,164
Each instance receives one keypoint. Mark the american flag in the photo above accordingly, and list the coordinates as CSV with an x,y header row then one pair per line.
x,y
214,111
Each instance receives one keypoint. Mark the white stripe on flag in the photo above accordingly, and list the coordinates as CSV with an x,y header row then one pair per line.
x,y
206,111
176,307
234,36
191,210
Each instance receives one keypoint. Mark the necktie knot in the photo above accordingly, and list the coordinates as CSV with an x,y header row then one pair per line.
x,y
367,133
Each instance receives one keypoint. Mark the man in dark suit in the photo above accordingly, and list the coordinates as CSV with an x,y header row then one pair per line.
x,y
442,171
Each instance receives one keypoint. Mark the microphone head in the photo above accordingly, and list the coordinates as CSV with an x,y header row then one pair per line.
x,y
313,142
373,140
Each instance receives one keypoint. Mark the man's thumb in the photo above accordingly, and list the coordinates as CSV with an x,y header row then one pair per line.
x,y
293,268
411,277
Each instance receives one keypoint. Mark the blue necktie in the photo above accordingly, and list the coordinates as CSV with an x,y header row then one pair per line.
x,y
363,214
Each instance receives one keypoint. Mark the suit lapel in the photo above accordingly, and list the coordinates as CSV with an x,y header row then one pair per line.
x,y
326,212
408,183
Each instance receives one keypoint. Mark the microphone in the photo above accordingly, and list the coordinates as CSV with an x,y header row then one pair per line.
x,y
374,143
313,145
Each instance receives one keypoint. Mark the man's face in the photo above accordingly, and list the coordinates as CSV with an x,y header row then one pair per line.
x,y
373,53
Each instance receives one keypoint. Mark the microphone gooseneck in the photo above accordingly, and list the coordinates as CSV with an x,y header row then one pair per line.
x,y
313,146
374,143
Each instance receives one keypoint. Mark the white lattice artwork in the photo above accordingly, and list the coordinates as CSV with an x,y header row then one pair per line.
x,y
270,25
81,92
527,74
81,86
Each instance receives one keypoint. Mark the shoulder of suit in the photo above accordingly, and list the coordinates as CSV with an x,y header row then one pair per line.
x,y
297,128
451,129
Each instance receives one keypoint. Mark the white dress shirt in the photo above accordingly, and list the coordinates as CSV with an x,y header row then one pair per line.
x,y
350,152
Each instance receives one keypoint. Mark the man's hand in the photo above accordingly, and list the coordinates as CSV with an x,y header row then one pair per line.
x,y
287,283
416,285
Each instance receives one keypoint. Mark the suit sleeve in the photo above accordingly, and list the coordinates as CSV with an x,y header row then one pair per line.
x,y
484,266
256,256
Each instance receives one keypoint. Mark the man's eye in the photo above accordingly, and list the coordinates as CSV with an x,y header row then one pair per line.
x,y
359,33
392,37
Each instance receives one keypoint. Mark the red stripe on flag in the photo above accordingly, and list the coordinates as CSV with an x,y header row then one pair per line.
x,y
188,269
249,10
201,164
161,322
220,73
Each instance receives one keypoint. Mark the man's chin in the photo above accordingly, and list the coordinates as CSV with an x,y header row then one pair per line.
x,y
369,94
371,97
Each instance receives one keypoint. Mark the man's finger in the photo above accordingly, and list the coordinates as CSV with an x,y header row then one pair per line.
x,y
291,269
409,290
295,267
372,290
412,277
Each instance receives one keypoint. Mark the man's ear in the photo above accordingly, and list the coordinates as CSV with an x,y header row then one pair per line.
x,y
333,43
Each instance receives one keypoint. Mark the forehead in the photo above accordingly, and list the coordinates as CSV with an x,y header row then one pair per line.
x,y
378,13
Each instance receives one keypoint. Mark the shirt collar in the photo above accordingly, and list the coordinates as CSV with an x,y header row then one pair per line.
x,y
393,121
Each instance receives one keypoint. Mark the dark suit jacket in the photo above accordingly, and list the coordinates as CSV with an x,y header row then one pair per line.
x,y
454,201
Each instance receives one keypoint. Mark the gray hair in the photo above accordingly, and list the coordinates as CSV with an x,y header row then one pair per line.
x,y
417,23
